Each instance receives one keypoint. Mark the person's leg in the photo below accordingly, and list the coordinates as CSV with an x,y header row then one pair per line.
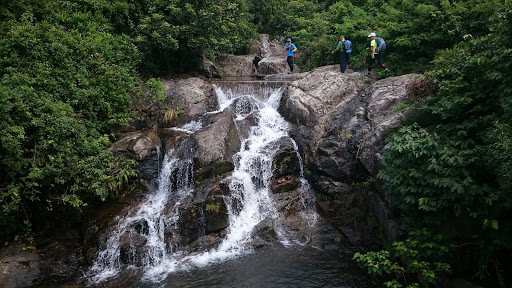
x,y
290,62
379,60
343,61
370,64
381,64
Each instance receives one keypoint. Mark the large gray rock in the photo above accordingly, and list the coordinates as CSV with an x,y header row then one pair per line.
x,y
192,97
274,65
142,146
267,57
341,121
237,65
270,56
136,145
325,106
209,69
285,167
285,161
382,97
18,268
216,145
267,47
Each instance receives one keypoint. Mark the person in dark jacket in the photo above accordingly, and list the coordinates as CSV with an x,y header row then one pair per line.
x,y
344,56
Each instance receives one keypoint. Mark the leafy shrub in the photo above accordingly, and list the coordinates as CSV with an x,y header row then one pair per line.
x,y
418,260
66,85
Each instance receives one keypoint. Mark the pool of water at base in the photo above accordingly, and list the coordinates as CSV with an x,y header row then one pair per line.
x,y
270,267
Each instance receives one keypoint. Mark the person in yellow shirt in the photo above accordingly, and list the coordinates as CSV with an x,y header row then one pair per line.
x,y
376,53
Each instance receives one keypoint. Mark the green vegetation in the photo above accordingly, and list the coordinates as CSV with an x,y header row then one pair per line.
x,y
451,176
66,84
418,255
70,72
213,207
414,30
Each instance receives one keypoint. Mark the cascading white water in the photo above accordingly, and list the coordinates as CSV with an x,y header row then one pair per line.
x,y
249,203
249,183
147,222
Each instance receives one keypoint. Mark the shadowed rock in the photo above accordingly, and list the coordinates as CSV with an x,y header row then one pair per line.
x,y
216,146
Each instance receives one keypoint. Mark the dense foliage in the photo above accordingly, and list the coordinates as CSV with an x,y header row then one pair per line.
x,y
174,35
414,30
66,83
71,70
452,175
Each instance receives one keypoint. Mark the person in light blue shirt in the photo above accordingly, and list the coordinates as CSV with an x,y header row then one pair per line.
x,y
290,49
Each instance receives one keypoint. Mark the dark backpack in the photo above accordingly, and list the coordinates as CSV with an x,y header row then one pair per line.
x,y
347,46
381,45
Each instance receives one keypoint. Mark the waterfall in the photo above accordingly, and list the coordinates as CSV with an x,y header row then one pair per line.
x,y
248,204
148,222
249,183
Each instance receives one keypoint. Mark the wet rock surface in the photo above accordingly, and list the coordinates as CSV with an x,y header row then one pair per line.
x,y
18,267
339,122
142,146
217,144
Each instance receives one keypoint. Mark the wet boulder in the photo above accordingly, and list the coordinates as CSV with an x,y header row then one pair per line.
x,y
286,160
143,146
216,145
340,124
215,211
189,98
382,97
18,267
285,167
132,248
237,65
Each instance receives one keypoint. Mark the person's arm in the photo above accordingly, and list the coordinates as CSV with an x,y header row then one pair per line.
x,y
294,48
338,48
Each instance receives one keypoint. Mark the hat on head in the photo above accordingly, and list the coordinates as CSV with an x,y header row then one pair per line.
x,y
372,34
289,39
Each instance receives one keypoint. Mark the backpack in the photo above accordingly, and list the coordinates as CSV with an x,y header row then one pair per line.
x,y
347,46
381,45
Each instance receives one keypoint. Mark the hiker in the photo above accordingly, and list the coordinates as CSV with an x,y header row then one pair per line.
x,y
377,47
345,47
290,49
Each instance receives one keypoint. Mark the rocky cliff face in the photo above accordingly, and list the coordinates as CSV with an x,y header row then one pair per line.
x,y
339,122
267,57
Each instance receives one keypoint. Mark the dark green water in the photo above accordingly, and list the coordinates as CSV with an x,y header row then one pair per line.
x,y
272,267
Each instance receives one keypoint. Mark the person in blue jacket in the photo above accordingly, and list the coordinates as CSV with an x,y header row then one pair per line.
x,y
290,50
